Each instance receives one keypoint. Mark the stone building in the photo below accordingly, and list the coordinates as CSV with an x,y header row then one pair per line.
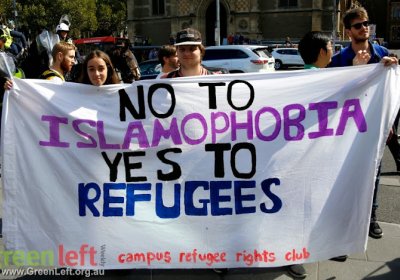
x,y
392,25
268,20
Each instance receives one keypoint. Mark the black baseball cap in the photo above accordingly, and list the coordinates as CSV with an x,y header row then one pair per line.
x,y
188,36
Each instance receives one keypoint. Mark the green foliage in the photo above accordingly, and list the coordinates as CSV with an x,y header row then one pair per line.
x,y
6,9
88,17
111,16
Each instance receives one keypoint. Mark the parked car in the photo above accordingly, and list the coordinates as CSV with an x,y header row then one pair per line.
x,y
239,58
285,57
149,69
142,53
338,48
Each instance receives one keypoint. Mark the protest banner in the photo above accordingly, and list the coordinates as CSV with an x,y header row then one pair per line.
x,y
246,170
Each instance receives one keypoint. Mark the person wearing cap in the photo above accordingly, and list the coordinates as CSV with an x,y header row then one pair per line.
x,y
190,51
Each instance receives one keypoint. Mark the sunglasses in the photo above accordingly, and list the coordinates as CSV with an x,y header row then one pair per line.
x,y
360,24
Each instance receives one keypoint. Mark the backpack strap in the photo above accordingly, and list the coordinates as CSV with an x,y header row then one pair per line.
x,y
49,74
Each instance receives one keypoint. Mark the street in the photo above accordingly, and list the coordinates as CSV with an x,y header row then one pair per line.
x,y
389,193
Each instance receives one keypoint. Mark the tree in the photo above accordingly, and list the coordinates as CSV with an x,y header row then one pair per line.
x,y
100,17
111,15
6,9
82,15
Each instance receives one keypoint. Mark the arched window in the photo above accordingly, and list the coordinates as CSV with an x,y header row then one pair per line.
x,y
158,7
287,3
396,11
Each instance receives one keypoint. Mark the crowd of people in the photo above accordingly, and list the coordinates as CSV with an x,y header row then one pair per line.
x,y
317,52
237,39
184,59
54,57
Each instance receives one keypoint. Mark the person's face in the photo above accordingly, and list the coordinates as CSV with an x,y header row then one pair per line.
x,y
359,30
326,56
97,71
68,60
189,56
172,61
63,34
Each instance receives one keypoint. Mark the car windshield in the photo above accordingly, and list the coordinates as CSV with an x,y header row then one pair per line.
x,y
262,52
149,67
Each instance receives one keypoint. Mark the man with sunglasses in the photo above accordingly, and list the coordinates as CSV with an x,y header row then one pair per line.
x,y
362,51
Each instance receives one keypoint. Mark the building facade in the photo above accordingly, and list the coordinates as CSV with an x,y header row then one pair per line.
x,y
393,24
269,20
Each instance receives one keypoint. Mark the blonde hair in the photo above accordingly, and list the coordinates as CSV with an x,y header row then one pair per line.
x,y
62,47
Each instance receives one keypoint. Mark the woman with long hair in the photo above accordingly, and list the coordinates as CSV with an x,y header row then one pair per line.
x,y
97,69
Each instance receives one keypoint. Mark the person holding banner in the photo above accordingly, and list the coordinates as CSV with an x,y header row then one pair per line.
x,y
63,54
97,69
190,51
316,50
393,142
362,51
7,83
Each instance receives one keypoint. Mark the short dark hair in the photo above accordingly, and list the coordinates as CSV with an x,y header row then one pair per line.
x,y
202,50
355,11
311,44
166,51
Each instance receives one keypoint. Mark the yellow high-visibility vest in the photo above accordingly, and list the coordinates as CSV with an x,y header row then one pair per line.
x,y
7,36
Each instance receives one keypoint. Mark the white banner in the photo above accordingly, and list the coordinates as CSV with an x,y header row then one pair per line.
x,y
249,170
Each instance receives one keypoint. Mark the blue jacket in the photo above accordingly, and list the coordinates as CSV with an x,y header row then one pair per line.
x,y
345,56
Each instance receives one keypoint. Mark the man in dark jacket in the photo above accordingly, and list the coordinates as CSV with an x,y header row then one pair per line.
x,y
362,51
125,61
